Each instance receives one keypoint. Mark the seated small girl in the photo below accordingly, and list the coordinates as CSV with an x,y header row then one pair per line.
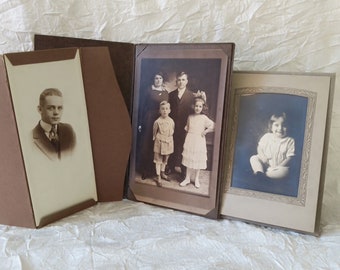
x,y
275,150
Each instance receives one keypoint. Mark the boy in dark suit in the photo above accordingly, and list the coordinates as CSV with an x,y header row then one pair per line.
x,y
51,136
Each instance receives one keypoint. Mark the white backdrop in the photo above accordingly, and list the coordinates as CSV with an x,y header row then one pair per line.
x,y
270,35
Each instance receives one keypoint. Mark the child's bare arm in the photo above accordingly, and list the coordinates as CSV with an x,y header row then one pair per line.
x,y
208,129
285,162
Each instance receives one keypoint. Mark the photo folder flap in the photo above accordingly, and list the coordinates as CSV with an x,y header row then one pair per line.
x,y
44,56
121,54
15,63
65,212
15,203
109,122
110,132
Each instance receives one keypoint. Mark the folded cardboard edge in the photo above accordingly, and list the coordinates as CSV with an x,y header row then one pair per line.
x,y
230,51
109,122
15,202
65,212
332,77
44,56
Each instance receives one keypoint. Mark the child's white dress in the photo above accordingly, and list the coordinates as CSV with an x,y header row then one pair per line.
x,y
195,148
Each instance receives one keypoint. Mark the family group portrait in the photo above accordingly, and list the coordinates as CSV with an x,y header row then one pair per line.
x,y
269,142
176,123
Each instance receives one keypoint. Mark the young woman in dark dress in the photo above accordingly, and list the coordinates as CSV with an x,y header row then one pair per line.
x,y
149,112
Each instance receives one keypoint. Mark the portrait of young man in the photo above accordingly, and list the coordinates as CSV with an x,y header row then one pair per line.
x,y
52,122
50,135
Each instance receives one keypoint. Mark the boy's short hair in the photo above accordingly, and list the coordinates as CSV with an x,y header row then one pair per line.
x,y
164,102
180,74
49,92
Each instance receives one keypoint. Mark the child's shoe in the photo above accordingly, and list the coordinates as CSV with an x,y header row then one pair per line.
x,y
185,182
197,183
164,176
158,181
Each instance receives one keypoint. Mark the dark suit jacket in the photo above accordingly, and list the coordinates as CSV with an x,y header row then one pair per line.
x,y
67,140
180,110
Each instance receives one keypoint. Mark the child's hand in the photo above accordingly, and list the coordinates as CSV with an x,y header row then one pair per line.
x,y
203,133
273,169
263,158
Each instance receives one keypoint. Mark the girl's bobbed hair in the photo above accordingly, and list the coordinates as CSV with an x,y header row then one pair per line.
x,y
274,117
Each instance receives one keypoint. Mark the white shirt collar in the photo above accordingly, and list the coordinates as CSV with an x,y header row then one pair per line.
x,y
45,126
181,92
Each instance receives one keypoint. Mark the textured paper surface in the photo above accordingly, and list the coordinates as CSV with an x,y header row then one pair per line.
x,y
270,35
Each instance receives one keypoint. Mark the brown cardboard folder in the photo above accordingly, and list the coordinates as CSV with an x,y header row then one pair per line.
x,y
109,129
121,53
126,59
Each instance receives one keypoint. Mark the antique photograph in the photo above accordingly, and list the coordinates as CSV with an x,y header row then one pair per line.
x,y
51,115
269,141
278,143
177,120
53,137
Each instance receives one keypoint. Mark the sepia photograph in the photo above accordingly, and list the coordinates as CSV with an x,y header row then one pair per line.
x,y
51,116
53,137
177,121
168,124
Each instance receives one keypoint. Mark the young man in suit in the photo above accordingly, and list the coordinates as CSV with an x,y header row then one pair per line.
x,y
52,137
181,102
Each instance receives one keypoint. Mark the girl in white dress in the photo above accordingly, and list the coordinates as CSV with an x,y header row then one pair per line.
x,y
195,147
275,150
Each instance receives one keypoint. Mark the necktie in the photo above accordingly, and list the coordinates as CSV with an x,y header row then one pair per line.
x,y
54,136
